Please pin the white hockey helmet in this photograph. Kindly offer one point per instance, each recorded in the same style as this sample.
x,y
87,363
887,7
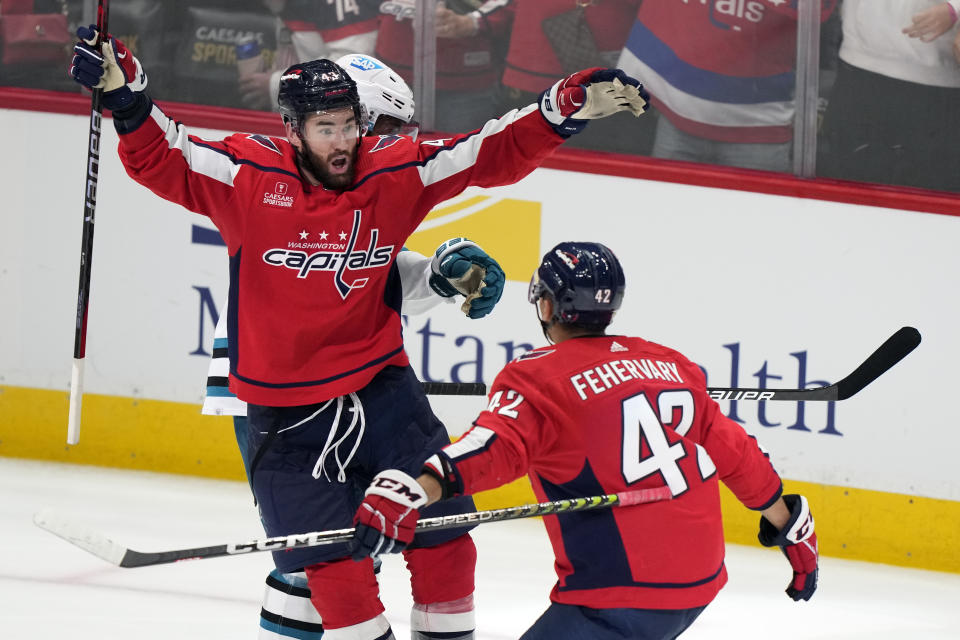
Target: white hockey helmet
x,y
382,91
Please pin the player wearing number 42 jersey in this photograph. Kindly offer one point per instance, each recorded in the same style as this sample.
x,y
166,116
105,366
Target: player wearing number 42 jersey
x,y
596,414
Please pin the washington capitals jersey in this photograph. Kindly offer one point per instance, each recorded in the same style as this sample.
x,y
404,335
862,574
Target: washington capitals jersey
x,y
603,414
717,69
418,297
314,295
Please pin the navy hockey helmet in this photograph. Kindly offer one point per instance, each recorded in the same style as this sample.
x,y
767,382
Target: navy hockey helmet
x,y
318,85
584,280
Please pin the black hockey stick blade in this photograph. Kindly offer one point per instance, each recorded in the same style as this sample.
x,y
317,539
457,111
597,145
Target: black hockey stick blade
x,y
120,556
888,354
454,388
892,351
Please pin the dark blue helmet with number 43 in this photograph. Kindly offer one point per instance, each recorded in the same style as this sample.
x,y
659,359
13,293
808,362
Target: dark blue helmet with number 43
x,y
315,86
583,279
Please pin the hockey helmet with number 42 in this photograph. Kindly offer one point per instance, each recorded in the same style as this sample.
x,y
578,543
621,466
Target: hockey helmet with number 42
x,y
584,280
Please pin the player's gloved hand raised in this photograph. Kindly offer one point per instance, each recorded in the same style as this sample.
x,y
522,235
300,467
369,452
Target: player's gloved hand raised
x,y
799,543
461,266
590,94
113,68
387,517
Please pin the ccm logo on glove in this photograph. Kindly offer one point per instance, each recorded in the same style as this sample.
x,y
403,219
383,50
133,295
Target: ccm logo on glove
x,y
401,489
387,518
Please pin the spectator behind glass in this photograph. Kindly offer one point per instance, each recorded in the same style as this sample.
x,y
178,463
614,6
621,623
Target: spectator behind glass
x,y
468,60
721,75
893,116
309,30
35,39
553,37
956,38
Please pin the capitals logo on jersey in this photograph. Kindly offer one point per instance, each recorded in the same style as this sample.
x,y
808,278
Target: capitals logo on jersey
x,y
402,10
385,142
337,259
265,142
533,355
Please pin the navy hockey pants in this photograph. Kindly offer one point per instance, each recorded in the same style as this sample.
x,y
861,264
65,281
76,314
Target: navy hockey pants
x,y
386,425
572,622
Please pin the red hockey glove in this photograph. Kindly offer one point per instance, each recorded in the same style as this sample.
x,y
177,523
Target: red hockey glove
x,y
387,517
113,68
799,543
590,94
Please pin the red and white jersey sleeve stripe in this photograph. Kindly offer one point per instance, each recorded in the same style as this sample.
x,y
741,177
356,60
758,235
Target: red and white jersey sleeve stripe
x,y
182,168
501,152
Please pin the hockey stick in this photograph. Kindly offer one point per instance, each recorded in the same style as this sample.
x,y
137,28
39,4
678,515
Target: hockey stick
x,y
888,354
892,351
454,388
86,244
118,555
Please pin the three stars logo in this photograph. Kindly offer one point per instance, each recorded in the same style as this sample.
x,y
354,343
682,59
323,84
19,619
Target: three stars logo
x,y
304,234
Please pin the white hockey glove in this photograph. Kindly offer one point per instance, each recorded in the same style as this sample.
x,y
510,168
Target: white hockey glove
x,y
590,94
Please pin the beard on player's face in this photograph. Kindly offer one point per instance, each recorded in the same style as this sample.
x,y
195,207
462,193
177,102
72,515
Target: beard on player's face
x,y
335,171
327,145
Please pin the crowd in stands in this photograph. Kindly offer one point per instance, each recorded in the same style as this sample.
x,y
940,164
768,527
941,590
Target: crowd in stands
x,y
721,74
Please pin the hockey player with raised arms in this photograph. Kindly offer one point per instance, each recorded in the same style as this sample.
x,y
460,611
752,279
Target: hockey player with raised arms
x,y
426,282
597,414
313,223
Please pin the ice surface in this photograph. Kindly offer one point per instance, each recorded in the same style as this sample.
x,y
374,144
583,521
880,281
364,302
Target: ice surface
x,y
50,589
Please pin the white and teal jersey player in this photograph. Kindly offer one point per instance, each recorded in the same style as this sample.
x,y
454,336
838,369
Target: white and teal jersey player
x,y
426,281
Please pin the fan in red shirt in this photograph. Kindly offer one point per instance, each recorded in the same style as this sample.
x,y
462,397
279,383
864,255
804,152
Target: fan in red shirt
x,y
597,414
551,36
467,56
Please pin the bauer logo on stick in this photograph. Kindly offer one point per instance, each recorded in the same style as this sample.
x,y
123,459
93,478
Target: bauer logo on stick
x,y
740,395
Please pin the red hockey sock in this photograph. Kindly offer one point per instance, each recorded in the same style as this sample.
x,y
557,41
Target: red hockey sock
x,y
344,592
443,573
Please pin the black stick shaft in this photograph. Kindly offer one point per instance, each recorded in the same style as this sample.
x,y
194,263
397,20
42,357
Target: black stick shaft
x,y
454,388
121,556
90,181
625,498
892,351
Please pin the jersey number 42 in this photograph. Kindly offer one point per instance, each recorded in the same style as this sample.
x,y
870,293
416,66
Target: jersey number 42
x,y
642,423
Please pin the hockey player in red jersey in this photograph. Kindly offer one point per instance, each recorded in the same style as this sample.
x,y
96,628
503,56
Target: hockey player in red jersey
x,y
596,414
425,282
313,223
